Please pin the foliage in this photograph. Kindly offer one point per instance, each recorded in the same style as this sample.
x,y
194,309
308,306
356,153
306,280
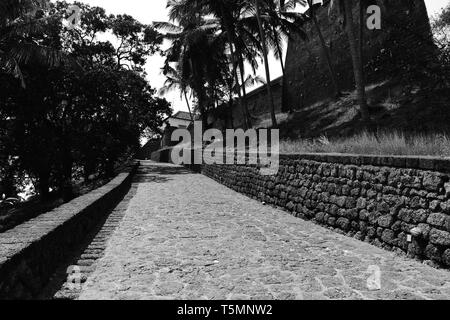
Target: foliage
x,y
214,41
441,31
384,143
86,111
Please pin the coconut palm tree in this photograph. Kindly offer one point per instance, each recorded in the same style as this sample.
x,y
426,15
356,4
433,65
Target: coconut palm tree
x,y
273,22
346,8
323,45
19,20
174,81
198,48
244,34
227,13
283,23
266,64
12,9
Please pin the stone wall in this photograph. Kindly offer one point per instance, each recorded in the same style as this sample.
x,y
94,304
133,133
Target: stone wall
x,y
380,200
31,252
259,102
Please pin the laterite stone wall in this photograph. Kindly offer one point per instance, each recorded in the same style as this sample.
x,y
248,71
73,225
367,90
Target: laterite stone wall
x,y
380,200
31,252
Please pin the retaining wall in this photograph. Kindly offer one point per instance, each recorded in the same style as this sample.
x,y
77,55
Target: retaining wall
x,y
397,203
31,252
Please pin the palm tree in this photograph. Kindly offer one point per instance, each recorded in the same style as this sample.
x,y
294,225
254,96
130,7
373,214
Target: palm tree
x,y
284,23
279,23
174,81
18,21
346,7
324,47
243,34
198,49
12,9
358,68
266,64
228,14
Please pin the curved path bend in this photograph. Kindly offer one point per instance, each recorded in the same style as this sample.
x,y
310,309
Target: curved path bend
x,y
185,236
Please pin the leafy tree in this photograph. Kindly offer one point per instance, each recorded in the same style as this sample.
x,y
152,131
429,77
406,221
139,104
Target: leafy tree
x,y
84,115
136,40
441,31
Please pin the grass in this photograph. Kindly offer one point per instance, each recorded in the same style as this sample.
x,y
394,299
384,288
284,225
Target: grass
x,y
386,143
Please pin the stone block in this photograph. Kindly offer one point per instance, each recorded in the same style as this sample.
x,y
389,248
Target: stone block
x,y
446,257
439,220
440,237
385,221
433,181
388,236
343,224
433,253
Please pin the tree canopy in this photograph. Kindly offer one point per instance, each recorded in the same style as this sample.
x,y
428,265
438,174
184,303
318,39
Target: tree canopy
x,y
76,103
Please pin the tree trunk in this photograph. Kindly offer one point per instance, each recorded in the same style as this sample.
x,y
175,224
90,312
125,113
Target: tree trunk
x,y
88,169
230,37
230,107
201,106
7,185
189,106
200,92
244,92
204,114
325,50
361,30
66,178
236,77
44,184
357,63
280,52
266,63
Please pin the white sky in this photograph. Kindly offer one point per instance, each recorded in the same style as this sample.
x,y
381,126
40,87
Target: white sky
x,y
147,11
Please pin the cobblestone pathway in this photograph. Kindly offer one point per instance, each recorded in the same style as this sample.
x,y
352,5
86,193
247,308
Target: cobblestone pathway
x,y
185,236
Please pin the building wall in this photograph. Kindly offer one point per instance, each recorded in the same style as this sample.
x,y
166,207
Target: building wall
x,y
403,43
259,102
178,123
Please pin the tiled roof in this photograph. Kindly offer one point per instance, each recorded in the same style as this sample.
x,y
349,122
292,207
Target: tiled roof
x,y
182,115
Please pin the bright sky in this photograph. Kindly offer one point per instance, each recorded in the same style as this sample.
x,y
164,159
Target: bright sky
x,y
147,11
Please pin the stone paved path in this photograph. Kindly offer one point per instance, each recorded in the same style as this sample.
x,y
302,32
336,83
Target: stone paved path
x,y
185,236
